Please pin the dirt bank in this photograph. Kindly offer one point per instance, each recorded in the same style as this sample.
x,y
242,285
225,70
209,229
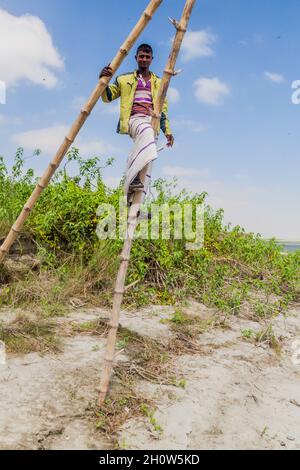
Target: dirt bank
x,y
236,395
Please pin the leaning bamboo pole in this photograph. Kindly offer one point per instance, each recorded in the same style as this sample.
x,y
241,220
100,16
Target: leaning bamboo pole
x,y
169,72
77,125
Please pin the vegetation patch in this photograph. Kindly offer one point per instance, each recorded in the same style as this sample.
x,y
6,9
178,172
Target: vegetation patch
x,y
25,335
266,336
74,263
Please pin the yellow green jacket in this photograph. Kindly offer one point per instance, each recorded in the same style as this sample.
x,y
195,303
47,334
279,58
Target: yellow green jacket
x,y
124,87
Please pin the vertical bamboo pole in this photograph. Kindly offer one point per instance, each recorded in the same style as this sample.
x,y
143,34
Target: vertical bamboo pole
x,y
77,125
169,72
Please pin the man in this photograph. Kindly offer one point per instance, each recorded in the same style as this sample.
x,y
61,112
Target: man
x,y
138,92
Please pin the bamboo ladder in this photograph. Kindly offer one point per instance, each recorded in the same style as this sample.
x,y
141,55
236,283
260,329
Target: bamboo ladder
x,y
169,72
77,125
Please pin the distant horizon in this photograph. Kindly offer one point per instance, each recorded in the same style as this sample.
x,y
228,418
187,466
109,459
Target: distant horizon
x,y
290,242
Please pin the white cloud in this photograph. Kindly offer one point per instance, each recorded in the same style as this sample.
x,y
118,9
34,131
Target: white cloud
x,y
197,44
249,206
112,181
111,108
240,176
104,108
180,171
78,102
189,124
2,92
211,90
173,95
95,146
27,51
48,140
274,77
257,38
14,120
261,209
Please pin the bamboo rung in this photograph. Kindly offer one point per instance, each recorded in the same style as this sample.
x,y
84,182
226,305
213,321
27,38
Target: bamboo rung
x,y
177,25
41,186
69,140
15,230
173,21
103,82
124,51
147,15
3,250
109,361
27,209
170,72
86,112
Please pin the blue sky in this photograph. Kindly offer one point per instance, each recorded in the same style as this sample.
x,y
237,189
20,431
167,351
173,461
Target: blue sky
x,y
231,112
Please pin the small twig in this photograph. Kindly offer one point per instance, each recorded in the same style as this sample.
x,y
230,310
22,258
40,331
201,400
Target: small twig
x,y
132,284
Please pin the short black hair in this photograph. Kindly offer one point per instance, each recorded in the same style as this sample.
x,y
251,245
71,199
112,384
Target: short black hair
x,y
145,48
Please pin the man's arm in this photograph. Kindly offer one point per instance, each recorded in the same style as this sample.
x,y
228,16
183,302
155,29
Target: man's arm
x,y
112,92
165,125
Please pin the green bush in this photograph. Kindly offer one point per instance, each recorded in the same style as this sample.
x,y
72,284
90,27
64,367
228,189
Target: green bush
x,y
63,225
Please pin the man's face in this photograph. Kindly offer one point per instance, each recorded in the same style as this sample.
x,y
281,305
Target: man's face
x,y
144,60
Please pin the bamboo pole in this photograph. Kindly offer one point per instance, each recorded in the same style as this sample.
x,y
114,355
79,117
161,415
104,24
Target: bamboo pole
x,y
77,125
169,72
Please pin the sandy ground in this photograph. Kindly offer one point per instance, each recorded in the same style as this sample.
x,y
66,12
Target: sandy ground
x,y
237,395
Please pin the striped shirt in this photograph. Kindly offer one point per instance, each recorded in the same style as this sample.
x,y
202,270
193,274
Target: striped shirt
x,y
142,103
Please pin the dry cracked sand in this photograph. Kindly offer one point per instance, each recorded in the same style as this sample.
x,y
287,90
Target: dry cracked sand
x,y
237,395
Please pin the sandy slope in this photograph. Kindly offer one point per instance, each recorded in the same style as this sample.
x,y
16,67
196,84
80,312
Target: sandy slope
x,y
237,395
